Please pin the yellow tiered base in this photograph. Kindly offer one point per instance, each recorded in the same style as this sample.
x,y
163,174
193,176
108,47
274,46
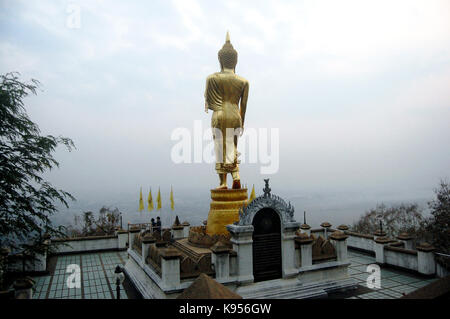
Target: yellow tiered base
x,y
224,209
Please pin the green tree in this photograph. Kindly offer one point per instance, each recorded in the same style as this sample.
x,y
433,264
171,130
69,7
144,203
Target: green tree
x,y
106,223
395,219
27,200
439,223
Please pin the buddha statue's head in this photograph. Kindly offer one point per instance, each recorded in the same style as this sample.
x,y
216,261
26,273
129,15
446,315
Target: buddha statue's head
x,y
228,55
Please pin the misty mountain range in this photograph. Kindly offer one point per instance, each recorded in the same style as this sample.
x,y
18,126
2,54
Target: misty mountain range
x,y
334,207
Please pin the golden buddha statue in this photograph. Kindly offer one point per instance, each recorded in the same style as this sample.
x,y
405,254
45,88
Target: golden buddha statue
x,y
224,91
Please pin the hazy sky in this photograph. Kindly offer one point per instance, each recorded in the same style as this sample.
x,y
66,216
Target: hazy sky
x,y
358,89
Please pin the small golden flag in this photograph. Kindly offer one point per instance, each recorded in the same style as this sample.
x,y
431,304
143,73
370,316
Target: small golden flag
x,y
141,202
252,195
150,201
158,200
172,204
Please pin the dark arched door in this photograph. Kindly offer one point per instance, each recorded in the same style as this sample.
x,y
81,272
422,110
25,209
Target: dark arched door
x,y
266,245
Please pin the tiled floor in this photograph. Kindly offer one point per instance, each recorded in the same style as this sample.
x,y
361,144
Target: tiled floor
x,y
97,277
394,283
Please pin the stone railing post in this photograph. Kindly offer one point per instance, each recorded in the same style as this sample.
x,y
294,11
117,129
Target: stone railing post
x,y
379,244
170,268
425,259
288,249
241,238
343,228
23,288
178,231
325,226
379,233
305,242
339,239
220,258
305,229
147,241
122,237
186,227
406,239
133,232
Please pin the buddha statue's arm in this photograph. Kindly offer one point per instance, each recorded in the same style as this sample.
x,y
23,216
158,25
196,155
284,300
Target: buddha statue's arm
x,y
244,98
213,99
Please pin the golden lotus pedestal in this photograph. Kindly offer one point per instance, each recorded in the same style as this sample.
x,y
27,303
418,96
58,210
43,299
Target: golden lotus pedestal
x,y
224,209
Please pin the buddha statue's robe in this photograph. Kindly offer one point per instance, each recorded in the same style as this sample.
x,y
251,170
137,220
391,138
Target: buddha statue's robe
x,y
224,91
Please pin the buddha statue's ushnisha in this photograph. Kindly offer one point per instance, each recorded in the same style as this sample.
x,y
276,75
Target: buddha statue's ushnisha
x,y
224,91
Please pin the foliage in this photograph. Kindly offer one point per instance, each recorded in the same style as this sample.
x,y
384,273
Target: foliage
x,y
395,219
86,225
27,200
439,223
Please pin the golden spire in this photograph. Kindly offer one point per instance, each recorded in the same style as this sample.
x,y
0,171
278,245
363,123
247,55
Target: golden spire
x,y
227,38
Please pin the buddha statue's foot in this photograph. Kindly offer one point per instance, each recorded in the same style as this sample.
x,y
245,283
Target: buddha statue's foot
x,y
223,181
237,184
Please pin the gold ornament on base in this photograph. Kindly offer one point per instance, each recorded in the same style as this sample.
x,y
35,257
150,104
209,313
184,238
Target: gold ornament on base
x,y
224,209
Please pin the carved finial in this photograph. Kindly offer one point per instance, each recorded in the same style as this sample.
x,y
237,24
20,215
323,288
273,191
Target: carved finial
x,y
304,217
266,188
177,221
227,38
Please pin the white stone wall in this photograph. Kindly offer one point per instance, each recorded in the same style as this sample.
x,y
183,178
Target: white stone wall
x,y
360,243
81,245
170,273
400,259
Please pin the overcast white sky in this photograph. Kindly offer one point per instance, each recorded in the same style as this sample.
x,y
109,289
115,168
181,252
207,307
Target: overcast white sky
x,y
359,89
